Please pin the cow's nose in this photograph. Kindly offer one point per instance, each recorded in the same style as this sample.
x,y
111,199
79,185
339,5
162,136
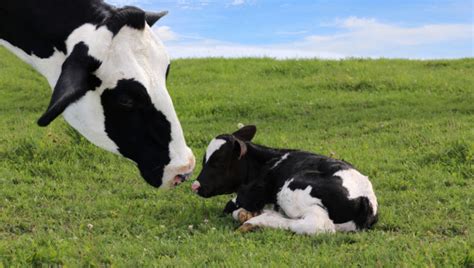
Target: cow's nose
x,y
195,186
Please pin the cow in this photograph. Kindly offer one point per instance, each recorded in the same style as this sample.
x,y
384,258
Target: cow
x,y
309,193
108,73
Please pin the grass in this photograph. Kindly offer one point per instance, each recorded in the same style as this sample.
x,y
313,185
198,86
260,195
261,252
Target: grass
x,y
408,125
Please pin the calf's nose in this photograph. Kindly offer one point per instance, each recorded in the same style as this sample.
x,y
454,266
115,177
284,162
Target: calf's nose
x,y
195,186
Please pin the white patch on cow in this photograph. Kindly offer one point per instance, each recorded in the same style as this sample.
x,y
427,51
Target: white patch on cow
x,y
358,185
213,146
98,40
50,67
349,226
285,156
87,116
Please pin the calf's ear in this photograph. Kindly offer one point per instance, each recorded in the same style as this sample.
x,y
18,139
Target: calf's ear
x,y
246,133
241,148
75,80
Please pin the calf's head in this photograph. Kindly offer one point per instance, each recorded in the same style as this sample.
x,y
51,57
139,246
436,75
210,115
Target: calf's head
x,y
112,89
224,168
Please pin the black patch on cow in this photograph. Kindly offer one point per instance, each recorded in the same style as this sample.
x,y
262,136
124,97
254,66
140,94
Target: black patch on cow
x,y
75,80
141,132
40,26
129,16
168,71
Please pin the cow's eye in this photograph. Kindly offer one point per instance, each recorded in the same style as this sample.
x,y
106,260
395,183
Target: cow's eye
x,y
125,102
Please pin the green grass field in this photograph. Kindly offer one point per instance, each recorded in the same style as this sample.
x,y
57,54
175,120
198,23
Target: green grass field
x,y
408,125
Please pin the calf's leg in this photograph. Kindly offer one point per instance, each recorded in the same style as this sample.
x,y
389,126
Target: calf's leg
x,y
315,221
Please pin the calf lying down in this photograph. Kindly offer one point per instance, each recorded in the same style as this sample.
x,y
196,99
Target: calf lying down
x,y
309,193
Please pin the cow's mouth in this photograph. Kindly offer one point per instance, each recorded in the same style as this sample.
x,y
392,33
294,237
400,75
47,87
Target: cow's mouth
x,y
178,179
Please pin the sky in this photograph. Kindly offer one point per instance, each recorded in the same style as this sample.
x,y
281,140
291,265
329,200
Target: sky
x,y
416,29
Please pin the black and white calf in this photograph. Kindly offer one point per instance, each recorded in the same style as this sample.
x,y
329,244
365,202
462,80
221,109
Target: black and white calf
x,y
108,72
311,193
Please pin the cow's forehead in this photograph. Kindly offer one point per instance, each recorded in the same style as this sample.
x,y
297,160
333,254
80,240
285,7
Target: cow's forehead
x,y
135,54
213,147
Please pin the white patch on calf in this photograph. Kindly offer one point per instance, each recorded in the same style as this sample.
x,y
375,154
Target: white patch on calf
x,y
213,146
357,185
349,226
295,203
315,220
309,213
285,156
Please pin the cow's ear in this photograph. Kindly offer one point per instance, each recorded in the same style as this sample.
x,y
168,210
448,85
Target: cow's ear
x,y
152,17
246,133
75,80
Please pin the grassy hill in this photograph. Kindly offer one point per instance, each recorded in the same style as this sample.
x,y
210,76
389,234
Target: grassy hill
x,y
408,125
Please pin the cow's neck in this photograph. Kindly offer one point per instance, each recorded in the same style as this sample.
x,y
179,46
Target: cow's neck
x,y
37,33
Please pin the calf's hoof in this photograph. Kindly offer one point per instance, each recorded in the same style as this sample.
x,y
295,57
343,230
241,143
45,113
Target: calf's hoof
x,y
247,227
245,215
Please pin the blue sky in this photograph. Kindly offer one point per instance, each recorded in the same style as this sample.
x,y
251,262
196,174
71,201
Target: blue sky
x,y
306,29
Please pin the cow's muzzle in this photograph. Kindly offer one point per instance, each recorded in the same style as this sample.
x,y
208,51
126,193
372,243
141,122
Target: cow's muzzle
x,y
178,179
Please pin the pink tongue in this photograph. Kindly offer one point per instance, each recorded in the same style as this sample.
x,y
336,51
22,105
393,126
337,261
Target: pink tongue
x,y
195,186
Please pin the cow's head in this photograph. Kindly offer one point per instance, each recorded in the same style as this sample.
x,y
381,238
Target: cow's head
x,y
223,168
112,89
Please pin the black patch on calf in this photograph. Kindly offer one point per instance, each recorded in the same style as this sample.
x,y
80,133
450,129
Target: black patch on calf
x,y
141,132
230,207
334,197
252,196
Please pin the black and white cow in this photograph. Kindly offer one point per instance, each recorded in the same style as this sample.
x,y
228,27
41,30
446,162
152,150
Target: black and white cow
x,y
311,193
108,73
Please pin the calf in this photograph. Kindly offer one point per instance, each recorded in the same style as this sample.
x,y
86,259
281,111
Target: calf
x,y
311,193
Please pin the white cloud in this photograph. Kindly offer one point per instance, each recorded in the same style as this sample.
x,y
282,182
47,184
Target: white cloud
x,y
195,47
165,33
356,37
239,51
368,37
